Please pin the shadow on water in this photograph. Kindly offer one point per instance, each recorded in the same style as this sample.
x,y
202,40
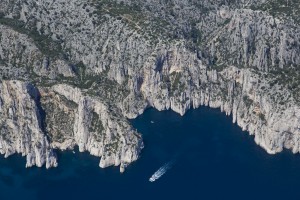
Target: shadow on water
x,y
214,159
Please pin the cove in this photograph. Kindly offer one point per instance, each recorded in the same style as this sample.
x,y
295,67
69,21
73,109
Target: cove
x,y
212,159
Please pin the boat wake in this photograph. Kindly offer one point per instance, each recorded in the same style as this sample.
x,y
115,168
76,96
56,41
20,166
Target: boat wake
x,y
161,171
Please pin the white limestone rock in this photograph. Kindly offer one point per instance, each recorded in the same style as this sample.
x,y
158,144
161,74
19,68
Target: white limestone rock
x,y
20,124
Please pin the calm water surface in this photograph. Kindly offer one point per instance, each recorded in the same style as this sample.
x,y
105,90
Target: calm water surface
x,y
213,159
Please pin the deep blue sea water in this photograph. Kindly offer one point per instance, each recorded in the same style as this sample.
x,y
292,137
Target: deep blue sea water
x,y
213,159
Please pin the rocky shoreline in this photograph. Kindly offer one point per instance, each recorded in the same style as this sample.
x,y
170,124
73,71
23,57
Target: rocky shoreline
x,y
75,78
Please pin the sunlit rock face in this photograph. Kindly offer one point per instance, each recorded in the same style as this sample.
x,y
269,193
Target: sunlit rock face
x,y
21,128
74,72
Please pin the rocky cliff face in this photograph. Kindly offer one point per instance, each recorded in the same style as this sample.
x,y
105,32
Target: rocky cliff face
x,y
74,72
21,125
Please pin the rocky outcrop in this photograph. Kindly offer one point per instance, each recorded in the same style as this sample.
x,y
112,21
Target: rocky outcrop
x,y
266,45
23,59
21,125
99,130
72,119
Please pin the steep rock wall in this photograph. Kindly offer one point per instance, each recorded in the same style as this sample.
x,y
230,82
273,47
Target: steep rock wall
x,y
21,128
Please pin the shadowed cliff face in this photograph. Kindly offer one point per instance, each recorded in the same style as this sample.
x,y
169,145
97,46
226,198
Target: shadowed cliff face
x,y
97,63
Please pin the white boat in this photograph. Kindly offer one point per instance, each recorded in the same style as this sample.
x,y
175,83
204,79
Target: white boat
x,y
161,171
152,122
157,174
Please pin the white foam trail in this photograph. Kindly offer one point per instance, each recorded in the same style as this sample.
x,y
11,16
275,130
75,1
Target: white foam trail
x,y
161,171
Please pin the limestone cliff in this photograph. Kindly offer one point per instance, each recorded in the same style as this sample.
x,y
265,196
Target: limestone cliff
x,y
74,71
21,125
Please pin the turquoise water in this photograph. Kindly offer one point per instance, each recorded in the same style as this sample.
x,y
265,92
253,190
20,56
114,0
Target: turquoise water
x,y
211,159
